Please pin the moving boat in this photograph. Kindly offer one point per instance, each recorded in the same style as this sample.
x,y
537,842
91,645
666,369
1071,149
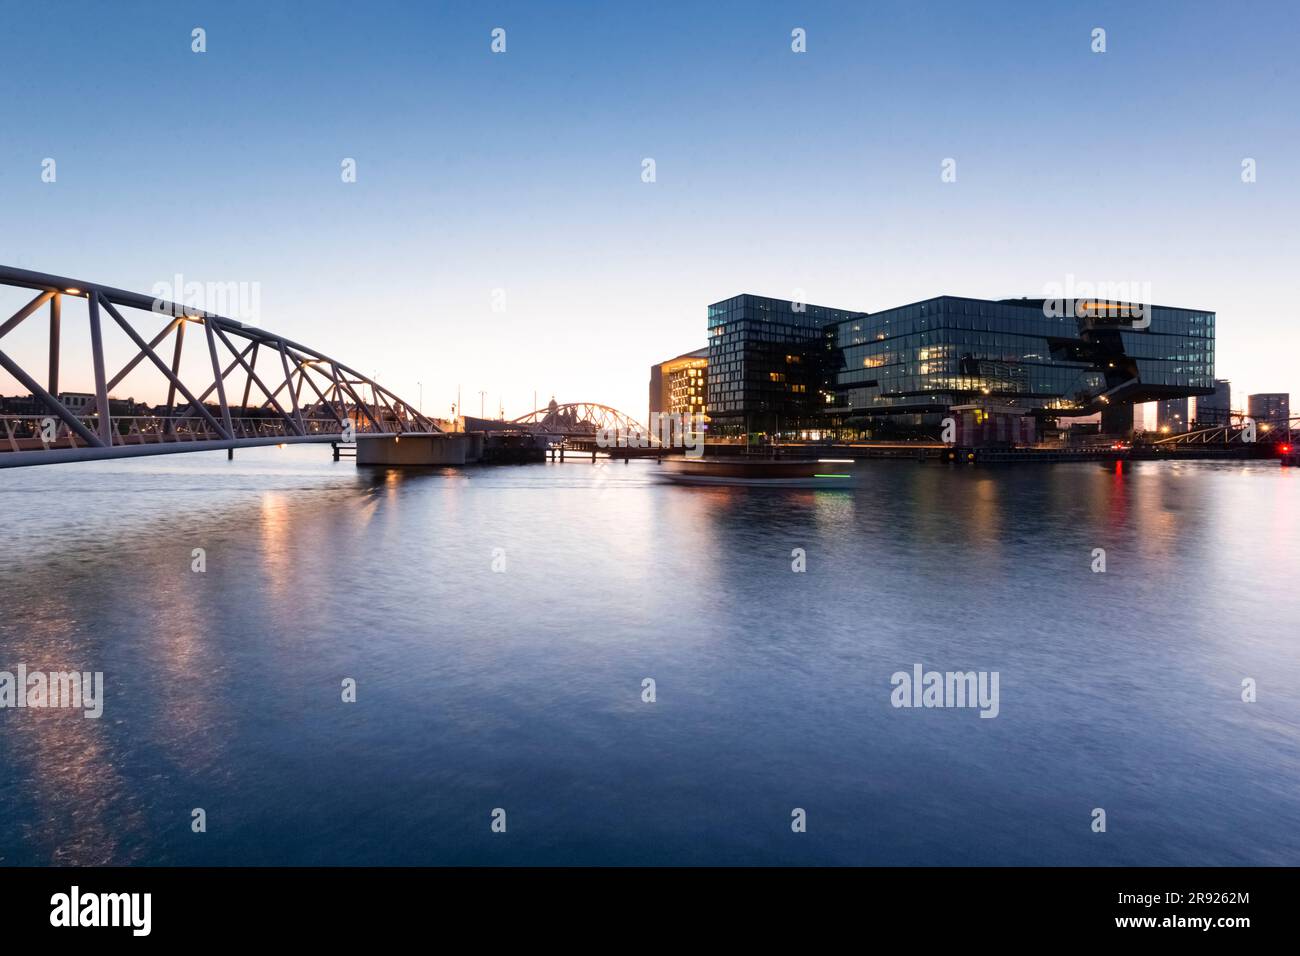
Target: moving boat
x,y
758,472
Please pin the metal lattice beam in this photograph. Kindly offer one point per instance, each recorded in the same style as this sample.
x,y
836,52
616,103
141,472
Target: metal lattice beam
x,y
94,430
581,419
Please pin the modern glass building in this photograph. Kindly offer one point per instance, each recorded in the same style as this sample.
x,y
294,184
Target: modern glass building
x,y
907,366
770,363
776,367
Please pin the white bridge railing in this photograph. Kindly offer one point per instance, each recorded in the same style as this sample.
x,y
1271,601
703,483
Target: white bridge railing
x,y
38,432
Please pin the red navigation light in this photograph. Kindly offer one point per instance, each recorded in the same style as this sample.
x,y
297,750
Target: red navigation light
x,y
1286,449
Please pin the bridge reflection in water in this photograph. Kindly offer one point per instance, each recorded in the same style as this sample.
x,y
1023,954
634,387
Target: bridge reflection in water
x,y
302,395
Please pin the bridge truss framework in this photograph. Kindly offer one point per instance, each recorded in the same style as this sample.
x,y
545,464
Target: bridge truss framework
x,y
305,396
581,420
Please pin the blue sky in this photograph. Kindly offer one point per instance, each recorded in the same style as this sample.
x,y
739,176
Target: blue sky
x,y
776,171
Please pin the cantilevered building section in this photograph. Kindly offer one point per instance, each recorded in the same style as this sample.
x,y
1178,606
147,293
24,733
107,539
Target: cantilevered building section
x,y
903,369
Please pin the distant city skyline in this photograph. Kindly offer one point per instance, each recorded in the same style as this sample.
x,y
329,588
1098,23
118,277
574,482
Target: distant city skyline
x,y
499,235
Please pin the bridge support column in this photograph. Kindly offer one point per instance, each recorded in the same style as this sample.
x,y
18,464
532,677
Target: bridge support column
x,y
414,450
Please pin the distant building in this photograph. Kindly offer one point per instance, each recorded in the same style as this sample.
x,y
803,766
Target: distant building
x,y
1269,406
77,403
680,385
1216,409
1172,415
22,405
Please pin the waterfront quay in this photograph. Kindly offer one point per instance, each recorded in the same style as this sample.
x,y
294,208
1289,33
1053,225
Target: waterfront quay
x,y
501,448
926,451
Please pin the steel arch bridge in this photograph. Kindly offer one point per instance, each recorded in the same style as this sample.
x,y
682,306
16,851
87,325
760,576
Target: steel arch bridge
x,y
305,396
583,420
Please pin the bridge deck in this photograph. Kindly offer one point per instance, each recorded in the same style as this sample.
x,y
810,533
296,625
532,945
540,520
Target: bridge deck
x,y
22,442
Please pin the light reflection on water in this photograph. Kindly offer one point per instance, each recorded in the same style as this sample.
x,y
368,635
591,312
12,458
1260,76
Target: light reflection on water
x,y
522,689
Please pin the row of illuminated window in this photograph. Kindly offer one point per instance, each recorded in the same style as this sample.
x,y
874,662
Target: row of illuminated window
x,y
881,326
1019,347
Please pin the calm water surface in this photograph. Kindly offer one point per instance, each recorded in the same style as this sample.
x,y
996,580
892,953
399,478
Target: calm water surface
x,y
522,689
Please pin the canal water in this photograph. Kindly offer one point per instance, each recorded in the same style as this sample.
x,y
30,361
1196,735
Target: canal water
x,y
500,625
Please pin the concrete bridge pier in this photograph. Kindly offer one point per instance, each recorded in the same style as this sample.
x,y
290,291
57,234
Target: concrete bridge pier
x,y
416,450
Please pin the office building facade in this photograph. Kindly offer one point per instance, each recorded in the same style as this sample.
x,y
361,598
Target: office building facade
x,y
1274,407
911,364
770,364
901,370
679,386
